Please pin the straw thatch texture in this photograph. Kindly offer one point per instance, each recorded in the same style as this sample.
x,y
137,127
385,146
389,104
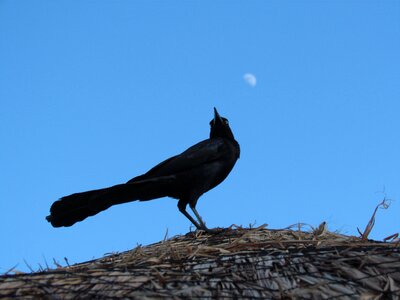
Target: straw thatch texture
x,y
236,263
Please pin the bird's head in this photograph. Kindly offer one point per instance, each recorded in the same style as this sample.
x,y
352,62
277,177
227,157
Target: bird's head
x,y
220,127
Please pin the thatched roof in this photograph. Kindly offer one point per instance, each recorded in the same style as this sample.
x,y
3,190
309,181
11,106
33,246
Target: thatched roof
x,y
235,263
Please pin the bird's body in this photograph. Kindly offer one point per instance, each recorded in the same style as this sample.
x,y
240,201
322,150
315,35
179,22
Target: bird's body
x,y
212,159
185,177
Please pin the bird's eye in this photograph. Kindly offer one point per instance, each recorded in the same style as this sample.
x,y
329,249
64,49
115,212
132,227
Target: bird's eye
x,y
226,122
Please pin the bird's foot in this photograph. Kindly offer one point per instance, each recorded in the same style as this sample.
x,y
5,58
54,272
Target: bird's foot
x,y
212,230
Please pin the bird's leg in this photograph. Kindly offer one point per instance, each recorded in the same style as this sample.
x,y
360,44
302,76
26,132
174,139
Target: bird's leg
x,y
202,224
182,208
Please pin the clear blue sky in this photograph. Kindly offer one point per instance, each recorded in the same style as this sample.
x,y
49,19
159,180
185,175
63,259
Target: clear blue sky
x,y
93,93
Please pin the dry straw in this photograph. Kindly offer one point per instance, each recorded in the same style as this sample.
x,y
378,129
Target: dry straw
x,y
252,263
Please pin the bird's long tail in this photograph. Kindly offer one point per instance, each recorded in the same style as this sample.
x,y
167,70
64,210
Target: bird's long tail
x,y
76,207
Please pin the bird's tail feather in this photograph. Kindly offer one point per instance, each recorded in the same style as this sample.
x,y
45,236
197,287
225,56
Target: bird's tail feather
x,y
76,207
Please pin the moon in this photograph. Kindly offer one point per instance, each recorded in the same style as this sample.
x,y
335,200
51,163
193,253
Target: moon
x,y
250,79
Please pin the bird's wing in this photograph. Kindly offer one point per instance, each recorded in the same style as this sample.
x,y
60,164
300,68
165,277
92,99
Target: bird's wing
x,y
202,153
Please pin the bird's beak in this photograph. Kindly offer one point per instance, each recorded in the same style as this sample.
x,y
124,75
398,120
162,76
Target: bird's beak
x,y
217,117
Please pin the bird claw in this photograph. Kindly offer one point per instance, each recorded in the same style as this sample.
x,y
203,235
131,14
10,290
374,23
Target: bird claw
x,y
213,230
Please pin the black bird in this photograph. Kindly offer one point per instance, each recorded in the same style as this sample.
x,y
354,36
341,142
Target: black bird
x,y
184,177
